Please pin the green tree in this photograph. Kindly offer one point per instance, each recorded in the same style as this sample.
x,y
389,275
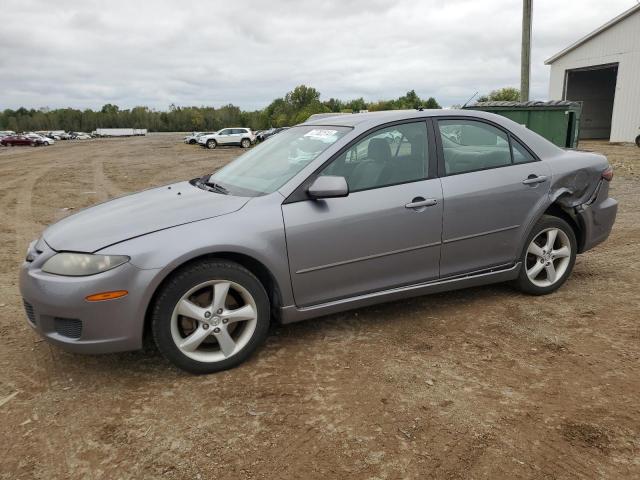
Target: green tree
x,y
505,94
295,107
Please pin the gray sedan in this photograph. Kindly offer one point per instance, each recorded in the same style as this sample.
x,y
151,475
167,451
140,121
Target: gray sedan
x,y
333,214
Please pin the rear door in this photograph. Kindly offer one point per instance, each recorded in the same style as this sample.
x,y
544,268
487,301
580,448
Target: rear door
x,y
384,234
492,186
236,135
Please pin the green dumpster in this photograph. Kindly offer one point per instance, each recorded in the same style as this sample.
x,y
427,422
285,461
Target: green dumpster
x,y
557,121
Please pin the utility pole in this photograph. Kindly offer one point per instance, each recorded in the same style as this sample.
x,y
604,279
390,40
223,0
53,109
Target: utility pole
x,y
525,56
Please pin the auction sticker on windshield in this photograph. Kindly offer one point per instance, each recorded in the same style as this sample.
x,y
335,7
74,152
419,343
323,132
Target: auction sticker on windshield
x,y
320,133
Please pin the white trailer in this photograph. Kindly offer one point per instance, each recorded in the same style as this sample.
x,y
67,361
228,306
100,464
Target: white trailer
x,y
120,132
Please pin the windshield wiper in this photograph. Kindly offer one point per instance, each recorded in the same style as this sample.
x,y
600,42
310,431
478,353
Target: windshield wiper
x,y
214,186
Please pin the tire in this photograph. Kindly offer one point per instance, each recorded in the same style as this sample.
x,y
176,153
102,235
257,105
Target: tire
x,y
211,144
556,263
219,341
245,143
638,140
192,142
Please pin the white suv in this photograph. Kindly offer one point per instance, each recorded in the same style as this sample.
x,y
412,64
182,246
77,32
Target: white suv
x,y
228,136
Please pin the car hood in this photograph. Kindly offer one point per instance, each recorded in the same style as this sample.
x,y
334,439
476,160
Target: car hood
x,y
138,214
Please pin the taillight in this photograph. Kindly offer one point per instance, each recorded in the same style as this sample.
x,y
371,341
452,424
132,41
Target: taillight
x,y
608,174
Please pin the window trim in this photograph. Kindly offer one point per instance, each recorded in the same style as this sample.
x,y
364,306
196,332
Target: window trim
x,y
438,139
300,193
527,149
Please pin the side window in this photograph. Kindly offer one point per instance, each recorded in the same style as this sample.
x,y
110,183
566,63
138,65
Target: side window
x,y
389,156
469,145
224,132
520,154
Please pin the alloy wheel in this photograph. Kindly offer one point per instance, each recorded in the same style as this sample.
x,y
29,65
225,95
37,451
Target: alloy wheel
x,y
214,320
548,257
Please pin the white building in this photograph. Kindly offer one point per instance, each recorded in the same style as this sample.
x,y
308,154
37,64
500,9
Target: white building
x,y
603,70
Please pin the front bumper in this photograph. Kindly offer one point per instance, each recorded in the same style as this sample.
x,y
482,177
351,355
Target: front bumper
x,y
56,307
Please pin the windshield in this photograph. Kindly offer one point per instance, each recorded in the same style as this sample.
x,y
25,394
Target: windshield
x,y
267,167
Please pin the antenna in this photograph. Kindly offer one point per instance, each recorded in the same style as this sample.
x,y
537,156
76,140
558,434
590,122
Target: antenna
x,y
470,98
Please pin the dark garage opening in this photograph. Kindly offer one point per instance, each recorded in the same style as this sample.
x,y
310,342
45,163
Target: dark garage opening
x,y
596,88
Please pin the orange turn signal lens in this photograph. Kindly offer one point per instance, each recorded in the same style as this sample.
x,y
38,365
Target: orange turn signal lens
x,y
98,297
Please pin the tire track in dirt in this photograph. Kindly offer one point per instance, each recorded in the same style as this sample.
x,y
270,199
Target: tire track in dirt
x,y
26,228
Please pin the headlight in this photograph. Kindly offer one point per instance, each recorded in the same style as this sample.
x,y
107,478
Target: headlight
x,y
81,264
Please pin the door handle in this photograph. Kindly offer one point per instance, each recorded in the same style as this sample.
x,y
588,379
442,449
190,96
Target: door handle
x,y
420,202
533,179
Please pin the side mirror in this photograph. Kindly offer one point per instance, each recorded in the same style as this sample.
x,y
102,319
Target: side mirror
x,y
328,187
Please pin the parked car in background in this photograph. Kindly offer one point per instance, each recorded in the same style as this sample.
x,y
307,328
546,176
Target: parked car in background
x,y
243,137
193,138
6,133
325,217
79,136
45,140
56,134
21,141
264,134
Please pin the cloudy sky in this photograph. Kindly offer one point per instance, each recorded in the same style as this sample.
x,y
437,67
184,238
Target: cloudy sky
x,y
86,53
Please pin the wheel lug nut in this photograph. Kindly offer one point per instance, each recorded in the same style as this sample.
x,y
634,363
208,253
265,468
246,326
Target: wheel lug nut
x,y
219,311
216,330
207,314
225,320
205,326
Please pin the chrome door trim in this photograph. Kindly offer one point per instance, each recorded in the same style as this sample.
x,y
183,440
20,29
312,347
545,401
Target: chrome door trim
x,y
368,257
481,234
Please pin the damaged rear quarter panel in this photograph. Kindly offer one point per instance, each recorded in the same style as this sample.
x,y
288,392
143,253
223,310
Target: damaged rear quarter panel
x,y
575,176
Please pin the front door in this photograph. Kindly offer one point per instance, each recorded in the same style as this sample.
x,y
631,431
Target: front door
x,y
386,233
224,136
492,186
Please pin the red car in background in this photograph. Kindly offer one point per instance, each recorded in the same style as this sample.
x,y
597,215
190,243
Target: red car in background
x,y
21,140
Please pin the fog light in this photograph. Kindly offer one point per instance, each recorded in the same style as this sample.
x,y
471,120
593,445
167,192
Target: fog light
x,y
98,297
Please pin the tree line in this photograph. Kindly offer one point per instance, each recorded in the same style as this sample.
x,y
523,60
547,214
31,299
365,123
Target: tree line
x,y
295,107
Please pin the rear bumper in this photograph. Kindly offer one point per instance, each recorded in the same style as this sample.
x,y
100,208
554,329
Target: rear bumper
x,y
597,218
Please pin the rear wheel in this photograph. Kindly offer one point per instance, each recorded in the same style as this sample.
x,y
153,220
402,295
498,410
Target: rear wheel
x,y
211,144
192,141
210,316
638,140
245,143
548,258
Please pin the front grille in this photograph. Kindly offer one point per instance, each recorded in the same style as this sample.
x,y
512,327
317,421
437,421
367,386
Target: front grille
x,y
31,314
68,327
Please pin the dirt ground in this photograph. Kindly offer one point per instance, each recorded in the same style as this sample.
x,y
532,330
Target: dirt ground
x,y
481,383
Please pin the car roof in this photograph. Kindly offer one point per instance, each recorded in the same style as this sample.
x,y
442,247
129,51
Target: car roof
x,y
356,119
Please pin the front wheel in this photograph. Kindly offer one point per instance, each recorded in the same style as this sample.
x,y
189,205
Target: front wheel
x,y
210,316
638,140
211,144
245,143
548,258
